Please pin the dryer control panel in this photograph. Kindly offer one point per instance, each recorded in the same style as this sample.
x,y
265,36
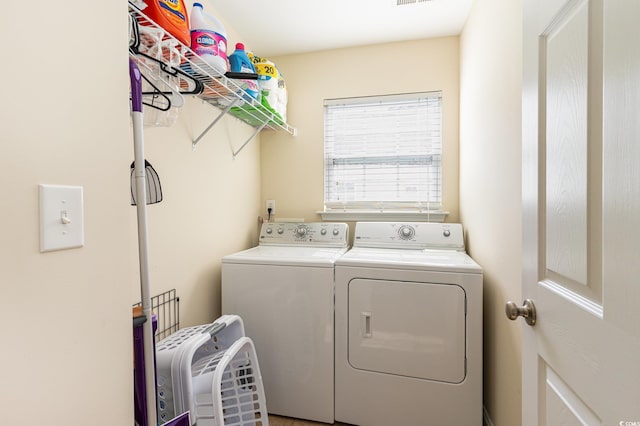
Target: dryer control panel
x,y
409,235
316,234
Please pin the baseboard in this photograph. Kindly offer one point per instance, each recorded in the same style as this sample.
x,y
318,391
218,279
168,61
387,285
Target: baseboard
x,y
486,420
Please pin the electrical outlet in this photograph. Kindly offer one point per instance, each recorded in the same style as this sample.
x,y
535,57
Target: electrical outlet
x,y
271,204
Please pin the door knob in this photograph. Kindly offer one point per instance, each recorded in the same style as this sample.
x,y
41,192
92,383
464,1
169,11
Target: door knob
x,y
527,311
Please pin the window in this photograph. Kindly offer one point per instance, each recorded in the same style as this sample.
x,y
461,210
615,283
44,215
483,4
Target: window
x,y
383,153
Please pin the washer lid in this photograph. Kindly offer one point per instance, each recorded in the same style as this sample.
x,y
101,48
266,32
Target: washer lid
x,y
424,260
286,255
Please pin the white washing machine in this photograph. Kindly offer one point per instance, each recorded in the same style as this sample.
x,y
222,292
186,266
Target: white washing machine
x,y
408,347
283,289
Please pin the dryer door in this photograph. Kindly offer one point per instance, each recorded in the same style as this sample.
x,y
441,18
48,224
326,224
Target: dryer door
x,y
408,328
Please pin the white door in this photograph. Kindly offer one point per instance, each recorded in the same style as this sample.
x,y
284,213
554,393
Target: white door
x,y
581,212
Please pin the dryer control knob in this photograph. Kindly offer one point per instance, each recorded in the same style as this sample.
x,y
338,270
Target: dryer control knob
x,y
280,231
269,231
406,232
336,232
446,233
300,231
323,231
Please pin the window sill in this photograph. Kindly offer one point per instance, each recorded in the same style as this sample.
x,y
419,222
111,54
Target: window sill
x,y
390,216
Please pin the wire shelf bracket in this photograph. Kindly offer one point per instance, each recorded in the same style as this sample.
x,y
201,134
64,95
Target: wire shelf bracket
x,y
213,123
258,130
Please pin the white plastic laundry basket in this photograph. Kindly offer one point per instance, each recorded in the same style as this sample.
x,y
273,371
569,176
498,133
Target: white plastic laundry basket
x,y
212,371
227,388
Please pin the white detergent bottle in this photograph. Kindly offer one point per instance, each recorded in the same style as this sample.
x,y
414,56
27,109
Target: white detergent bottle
x,y
208,38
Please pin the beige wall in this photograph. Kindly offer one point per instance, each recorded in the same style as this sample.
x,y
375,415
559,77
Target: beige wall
x,y
210,206
66,356
66,350
490,193
292,167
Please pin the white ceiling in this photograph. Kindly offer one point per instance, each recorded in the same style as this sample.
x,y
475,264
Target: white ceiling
x,y
282,27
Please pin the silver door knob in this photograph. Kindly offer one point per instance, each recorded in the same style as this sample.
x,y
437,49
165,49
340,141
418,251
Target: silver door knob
x,y
527,311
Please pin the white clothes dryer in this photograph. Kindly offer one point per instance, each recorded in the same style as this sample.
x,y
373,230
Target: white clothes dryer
x,y
408,347
283,289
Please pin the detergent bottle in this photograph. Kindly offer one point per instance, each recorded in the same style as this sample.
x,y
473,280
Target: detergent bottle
x,y
240,63
172,16
272,86
208,38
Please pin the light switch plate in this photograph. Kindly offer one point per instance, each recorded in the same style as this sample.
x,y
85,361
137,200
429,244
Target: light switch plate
x,y
61,217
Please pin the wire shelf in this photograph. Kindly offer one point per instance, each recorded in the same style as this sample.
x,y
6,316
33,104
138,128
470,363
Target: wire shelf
x,y
166,307
216,89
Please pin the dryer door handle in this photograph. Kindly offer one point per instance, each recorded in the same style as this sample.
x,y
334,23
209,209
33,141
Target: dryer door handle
x,y
365,324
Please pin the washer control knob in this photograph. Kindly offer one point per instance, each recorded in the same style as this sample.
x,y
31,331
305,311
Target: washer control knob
x,y
269,231
300,231
280,231
336,232
323,231
446,233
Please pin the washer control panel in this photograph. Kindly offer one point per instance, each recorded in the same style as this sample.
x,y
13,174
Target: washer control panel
x,y
409,235
311,234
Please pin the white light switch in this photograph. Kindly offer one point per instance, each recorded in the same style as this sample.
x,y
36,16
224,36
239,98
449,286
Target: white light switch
x,y
61,217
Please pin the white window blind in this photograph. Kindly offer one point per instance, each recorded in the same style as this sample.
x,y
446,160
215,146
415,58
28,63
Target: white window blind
x,y
383,152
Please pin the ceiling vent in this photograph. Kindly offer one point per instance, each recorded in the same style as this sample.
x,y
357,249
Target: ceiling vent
x,y
405,2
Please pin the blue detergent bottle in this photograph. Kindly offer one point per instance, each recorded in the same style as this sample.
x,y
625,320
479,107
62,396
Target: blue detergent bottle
x,y
239,62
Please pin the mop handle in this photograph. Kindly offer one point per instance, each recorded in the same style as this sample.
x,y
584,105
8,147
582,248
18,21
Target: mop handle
x,y
147,329
136,86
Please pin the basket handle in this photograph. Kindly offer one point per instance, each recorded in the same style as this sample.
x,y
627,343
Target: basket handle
x,y
215,328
